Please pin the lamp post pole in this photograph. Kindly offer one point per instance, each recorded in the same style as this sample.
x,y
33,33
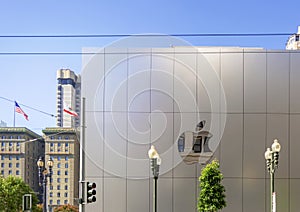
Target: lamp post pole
x,y
272,156
43,175
155,163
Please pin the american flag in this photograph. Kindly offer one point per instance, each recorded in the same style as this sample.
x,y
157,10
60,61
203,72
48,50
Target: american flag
x,y
19,110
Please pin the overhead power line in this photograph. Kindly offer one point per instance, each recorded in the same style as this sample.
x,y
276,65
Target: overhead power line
x,y
32,108
151,35
262,51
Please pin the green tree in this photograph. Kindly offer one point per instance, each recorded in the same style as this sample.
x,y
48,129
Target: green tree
x,y
212,193
12,190
66,208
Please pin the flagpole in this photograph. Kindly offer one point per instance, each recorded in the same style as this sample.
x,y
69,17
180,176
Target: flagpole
x,y
14,113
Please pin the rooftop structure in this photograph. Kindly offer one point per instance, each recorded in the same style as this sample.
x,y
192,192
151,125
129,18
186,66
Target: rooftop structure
x,y
293,42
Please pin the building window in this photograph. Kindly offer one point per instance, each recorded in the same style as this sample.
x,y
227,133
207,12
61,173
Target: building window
x,y
58,187
67,144
59,137
66,187
59,144
66,165
51,202
10,144
51,194
17,165
58,202
10,157
3,144
17,172
10,165
51,144
17,157
66,172
51,137
58,165
58,180
58,172
66,158
2,172
66,180
51,187
9,172
58,194
58,158
2,157
66,202
2,165
3,137
19,137
66,194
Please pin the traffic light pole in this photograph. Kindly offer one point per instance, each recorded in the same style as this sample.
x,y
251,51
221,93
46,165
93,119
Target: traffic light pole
x,y
82,158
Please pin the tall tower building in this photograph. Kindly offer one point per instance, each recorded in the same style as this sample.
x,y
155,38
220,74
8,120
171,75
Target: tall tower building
x,y
68,94
293,42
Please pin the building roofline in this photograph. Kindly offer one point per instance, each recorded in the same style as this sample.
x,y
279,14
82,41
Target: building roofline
x,y
59,130
19,130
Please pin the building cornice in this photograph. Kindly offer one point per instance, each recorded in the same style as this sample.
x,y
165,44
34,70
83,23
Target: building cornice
x,y
19,130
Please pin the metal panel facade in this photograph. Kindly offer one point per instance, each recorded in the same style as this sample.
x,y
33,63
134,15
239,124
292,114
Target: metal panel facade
x,y
136,98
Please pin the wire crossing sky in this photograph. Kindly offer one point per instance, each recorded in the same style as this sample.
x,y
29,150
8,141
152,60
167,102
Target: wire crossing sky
x,y
151,35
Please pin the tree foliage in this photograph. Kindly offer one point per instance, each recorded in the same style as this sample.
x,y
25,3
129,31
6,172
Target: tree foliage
x,y
12,190
66,208
212,192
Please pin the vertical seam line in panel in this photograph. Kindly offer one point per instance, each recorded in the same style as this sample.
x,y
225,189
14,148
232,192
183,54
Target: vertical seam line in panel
x,y
126,163
173,93
198,115
243,142
266,127
289,137
103,128
220,100
150,106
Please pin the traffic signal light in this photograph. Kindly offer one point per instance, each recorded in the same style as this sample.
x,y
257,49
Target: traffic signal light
x,y
90,192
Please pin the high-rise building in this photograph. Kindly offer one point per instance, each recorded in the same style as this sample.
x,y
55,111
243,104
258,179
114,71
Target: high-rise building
x,y
68,94
293,42
19,152
62,145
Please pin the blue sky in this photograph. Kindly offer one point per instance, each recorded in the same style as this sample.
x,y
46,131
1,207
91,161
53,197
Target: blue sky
x,y
31,79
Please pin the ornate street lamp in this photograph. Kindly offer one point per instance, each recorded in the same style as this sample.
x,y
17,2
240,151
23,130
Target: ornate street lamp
x,y
272,157
155,161
43,175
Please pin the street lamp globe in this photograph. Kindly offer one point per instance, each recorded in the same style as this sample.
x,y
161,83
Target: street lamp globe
x,y
50,162
268,154
40,162
276,146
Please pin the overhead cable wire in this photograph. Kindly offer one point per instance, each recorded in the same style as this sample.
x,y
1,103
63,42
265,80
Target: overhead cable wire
x,y
262,50
151,35
32,108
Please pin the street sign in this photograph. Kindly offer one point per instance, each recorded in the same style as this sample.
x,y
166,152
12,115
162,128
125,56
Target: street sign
x,y
27,202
